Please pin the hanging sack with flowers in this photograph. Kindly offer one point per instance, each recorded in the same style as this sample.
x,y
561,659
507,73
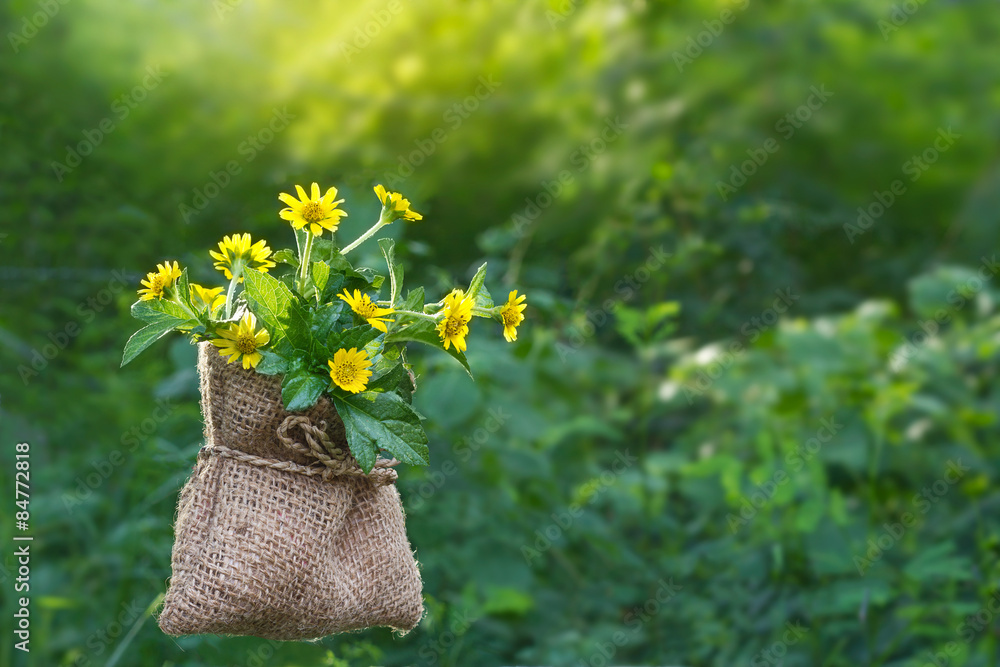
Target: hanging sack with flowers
x,y
290,526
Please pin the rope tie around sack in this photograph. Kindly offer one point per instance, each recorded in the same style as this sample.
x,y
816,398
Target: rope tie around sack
x,y
335,461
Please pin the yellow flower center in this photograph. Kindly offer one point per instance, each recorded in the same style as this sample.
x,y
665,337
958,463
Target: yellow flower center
x,y
345,373
312,211
453,326
157,287
509,316
366,308
246,343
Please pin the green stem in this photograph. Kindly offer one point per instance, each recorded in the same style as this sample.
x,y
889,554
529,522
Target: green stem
x,y
364,237
483,312
304,261
237,271
419,316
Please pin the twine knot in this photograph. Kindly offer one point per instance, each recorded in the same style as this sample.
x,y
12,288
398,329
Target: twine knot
x,y
337,461
334,460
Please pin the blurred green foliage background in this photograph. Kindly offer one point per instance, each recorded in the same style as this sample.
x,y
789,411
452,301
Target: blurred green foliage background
x,y
745,422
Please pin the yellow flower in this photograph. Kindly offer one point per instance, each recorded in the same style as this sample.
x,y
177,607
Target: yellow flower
x,y
455,326
511,314
238,247
240,340
157,281
394,206
318,212
363,306
349,370
202,298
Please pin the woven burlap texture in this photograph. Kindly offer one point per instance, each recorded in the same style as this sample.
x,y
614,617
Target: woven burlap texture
x,y
276,553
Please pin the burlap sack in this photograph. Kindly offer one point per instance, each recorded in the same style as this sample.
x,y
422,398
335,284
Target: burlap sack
x,y
275,537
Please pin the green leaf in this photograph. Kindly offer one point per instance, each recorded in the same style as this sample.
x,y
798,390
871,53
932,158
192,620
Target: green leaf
x,y
145,337
300,391
289,281
477,282
161,317
326,317
423,331
483,298
477,289
300,242
282,347
360,337
391,375
184,289
388,380
382,420
414,300
158,310
360,279
334,284
363,447
286,256
325,250
277,307
339,263
320,276
391,355
272,363
388,247
406,385
369,275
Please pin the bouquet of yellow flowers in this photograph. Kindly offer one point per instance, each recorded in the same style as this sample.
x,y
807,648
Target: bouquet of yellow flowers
x,y
322,327
290,526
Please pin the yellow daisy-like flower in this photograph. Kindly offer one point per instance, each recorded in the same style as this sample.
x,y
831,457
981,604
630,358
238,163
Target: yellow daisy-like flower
x,y
511,314
455,326
318,212
238,247
363,306
157,281
395,206
349,369
202,298
242,341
